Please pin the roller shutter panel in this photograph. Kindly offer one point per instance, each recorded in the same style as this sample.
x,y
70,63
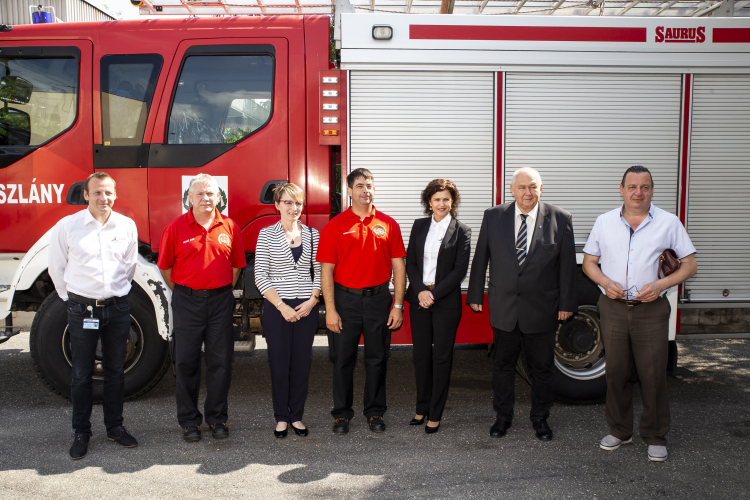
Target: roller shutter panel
x,y
582,131
718,198
408,128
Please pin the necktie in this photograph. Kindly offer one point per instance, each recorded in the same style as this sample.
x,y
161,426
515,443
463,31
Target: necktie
x,y
521,241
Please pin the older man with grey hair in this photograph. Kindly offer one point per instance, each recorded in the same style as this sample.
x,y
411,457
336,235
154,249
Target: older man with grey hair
x,y
530,249
201,256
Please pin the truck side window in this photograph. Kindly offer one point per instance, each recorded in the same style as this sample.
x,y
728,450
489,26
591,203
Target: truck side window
x,y
127,87
221,99
38,99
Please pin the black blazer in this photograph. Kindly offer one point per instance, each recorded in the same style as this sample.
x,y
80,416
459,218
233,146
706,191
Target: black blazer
x,y
533,293
452,263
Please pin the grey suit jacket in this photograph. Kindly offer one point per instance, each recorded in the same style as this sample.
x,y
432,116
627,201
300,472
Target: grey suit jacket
x,y
532,294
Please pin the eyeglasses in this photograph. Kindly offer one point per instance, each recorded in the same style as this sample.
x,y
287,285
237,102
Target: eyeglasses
x,y
627,292
289,203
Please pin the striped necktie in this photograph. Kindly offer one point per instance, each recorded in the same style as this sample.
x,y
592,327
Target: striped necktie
x,y
521,241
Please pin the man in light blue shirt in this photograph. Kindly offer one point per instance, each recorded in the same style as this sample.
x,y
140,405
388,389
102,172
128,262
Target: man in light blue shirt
x,y
627,242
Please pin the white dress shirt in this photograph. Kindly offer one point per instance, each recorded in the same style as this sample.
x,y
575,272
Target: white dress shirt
x,y
530,224
93,260
631,257
432,247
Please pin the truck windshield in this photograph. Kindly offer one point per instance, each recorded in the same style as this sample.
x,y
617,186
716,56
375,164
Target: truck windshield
x,y
38,99
221,99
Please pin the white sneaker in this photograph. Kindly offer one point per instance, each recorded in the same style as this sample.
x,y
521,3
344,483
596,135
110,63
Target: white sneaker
x,y
610,442
657,453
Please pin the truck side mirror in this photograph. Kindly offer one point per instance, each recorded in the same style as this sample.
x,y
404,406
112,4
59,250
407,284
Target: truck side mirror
x,y
15,89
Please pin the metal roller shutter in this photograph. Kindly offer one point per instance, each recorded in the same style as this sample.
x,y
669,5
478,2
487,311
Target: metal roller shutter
x,y
582,131
718,202
408,128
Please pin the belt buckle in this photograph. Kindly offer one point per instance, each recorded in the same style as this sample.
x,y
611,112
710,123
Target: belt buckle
x,y
367,292
100,303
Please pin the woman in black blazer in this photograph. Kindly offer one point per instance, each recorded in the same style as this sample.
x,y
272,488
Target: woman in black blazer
x,y
289,278
436,263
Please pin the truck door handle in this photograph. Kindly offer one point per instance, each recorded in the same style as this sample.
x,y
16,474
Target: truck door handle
x,y
266,193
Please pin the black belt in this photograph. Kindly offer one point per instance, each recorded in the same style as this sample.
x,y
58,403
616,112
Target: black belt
x,y
202,293
93,302
365,292
633,303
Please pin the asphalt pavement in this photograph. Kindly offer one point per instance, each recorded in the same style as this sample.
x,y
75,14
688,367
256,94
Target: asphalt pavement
x,y
708,443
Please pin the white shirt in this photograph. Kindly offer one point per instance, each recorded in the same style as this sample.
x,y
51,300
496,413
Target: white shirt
x,y
632,258
530,223
92,260
432,247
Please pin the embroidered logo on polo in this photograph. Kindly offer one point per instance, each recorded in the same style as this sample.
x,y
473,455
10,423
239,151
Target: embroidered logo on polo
x,y
378,230
223,238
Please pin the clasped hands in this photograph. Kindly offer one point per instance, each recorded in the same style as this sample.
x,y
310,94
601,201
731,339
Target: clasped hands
x,y
295,314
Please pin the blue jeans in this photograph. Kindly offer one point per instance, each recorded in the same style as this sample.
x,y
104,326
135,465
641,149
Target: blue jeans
x,y
114,330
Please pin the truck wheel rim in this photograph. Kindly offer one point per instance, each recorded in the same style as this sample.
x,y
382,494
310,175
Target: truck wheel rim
x,y
133,350
579,350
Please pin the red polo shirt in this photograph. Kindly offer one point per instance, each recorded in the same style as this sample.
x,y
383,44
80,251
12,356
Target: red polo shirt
x,y
361,249
201,259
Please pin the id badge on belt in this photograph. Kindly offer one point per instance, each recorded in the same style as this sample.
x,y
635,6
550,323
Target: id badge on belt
x,y
91,323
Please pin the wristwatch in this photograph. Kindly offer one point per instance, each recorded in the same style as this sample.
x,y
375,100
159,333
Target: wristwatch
x,y
398,306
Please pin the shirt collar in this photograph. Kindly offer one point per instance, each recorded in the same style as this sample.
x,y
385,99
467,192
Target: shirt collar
x,y
532,213
443,223
350,213
651,213
218,219
88,218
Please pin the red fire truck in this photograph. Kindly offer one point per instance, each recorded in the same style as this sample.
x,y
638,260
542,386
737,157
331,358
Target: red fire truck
x,y
260,100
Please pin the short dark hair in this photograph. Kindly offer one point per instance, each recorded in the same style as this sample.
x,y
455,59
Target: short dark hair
x,y
356,174
100,176
637,169
437,185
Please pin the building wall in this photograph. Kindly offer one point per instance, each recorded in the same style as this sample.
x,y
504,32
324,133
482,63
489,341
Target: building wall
x,y
69,11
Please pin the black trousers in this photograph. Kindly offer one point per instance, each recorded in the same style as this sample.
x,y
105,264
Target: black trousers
x,y
289,353
202,321
114,330
433,333
540,353
368,316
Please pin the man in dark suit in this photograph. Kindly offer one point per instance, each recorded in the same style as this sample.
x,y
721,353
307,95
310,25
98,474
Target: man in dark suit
x,y
531,252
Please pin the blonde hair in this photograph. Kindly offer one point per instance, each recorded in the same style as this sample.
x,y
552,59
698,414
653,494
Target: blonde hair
x,y
294,191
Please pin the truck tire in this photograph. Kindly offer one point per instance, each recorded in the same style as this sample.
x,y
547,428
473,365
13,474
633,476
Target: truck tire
x,y
146,364
579,360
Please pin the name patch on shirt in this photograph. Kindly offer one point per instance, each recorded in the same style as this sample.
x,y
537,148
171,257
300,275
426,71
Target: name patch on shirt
x,y
379,231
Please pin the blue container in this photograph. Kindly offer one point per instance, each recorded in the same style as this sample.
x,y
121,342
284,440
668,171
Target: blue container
x,y
42,18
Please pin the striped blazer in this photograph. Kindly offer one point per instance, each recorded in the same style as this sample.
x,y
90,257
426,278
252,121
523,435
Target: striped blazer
x,y
275,266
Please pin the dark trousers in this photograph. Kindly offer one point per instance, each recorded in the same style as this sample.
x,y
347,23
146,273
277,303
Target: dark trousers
x,y
202,321
433,333
637,334
289,353
540,353
114,330
368,316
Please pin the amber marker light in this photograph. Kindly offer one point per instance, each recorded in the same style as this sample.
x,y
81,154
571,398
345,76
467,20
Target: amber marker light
x,y
330,132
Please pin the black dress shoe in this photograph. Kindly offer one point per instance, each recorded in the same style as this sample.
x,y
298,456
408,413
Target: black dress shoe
x,y
191,434
499,427
219,431
542,429
376,424
341,426
300,432
431,430
122,436
281,434
80,446
418,421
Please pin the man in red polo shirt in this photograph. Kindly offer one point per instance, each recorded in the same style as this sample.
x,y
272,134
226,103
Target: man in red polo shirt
x,y
358,251
201,256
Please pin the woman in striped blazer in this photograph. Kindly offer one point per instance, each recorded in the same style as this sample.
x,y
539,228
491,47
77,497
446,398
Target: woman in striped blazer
x,y
289,278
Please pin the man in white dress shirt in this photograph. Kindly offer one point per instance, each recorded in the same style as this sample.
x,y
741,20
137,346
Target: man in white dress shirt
x,y
627,242
92,259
